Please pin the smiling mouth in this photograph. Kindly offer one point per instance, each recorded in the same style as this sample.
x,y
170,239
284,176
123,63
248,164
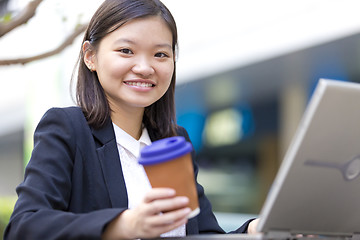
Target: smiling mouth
x,y
140,84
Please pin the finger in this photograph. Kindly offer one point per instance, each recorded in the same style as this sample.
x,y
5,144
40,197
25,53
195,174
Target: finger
x,y
170,218
156,231
172,226
252,228
162,224
166,205
153,226
159,193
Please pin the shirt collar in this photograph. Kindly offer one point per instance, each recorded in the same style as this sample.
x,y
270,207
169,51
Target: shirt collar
x,y
131,144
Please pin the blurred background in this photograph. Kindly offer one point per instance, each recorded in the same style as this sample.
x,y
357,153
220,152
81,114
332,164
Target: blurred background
x,y
245,72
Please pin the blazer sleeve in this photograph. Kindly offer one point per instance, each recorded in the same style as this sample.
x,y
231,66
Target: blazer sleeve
x,y
41,211
206,220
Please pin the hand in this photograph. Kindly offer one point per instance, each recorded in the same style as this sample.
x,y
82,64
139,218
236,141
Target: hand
x,y
252,226
160,211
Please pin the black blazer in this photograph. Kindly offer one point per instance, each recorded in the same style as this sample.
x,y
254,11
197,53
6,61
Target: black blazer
x,y
73,185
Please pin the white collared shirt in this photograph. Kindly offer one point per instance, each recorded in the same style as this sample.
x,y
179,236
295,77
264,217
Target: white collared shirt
x,y
136,180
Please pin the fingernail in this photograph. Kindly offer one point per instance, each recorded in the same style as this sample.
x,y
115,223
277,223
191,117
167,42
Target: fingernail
x,y
171,191
187,210
184,199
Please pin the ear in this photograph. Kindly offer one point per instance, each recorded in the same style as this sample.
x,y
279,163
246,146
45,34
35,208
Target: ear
x,y
89,56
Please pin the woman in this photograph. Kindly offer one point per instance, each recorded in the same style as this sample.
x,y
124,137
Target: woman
x,y
83,180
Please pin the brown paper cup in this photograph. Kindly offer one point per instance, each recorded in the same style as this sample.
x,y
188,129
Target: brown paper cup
x,y
168,163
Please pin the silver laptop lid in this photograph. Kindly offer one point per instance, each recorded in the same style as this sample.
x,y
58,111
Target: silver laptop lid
x,y
317,188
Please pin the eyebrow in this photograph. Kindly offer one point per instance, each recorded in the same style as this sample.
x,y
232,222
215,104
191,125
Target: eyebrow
x,y
120,40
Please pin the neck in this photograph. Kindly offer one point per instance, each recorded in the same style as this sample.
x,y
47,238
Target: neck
x,y
129,120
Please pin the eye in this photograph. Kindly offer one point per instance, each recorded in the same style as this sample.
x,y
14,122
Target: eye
x,y
125,51
161,55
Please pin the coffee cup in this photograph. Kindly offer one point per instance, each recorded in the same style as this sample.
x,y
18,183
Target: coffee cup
x,y
168,163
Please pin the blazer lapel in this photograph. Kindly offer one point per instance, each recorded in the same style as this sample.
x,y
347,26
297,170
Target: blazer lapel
x,y
110,163
108,156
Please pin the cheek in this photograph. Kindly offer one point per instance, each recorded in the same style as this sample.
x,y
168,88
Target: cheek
x,y
115,69
168,74
111,66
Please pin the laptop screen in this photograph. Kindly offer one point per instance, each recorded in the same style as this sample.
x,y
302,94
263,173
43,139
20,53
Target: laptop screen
x,y
317,188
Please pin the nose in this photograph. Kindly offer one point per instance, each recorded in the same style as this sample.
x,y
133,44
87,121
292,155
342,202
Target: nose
x,y
143,67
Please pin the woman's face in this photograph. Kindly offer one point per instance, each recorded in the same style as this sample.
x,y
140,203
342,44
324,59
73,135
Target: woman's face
x,y
135,63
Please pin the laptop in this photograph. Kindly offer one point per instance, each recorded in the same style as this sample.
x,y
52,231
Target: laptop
x,y
317,188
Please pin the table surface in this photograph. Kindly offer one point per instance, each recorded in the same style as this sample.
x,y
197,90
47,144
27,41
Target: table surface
x,y
249,237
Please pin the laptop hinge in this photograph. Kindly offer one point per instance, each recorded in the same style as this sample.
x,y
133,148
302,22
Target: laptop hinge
x,y
355,236
280,235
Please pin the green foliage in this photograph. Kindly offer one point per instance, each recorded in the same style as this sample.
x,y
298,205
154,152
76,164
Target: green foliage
x,y
6,18
6,208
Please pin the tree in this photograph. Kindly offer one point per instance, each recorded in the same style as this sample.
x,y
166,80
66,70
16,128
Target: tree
x,y
9,23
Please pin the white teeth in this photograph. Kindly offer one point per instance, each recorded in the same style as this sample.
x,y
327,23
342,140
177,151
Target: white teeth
x,y
140,84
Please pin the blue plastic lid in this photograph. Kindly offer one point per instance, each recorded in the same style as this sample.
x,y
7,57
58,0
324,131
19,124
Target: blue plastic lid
x,y
164,150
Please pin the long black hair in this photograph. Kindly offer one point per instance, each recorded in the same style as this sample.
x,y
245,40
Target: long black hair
x,y
90,96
